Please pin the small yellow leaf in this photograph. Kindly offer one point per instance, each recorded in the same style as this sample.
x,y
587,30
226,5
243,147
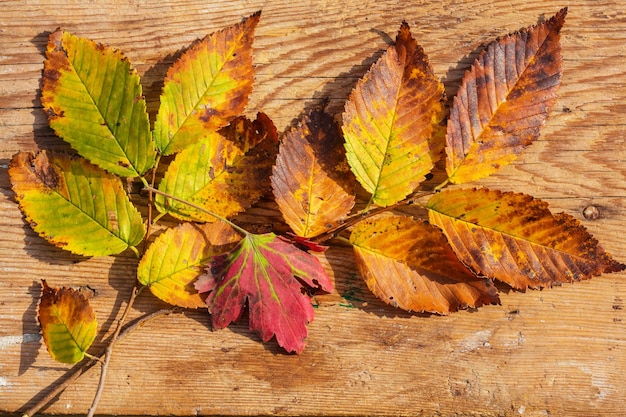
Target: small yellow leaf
x,y
68,323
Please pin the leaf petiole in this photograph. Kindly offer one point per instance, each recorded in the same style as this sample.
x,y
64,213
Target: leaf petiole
x,y
199,208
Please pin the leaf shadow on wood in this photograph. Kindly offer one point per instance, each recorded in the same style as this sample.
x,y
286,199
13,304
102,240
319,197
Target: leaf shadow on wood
x,y
31,338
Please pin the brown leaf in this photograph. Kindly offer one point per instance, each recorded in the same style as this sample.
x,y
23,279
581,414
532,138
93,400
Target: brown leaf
x,y
409,264
514,238
504,100
311,180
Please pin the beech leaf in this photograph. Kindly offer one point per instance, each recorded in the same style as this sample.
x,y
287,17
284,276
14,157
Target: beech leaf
x,y
409,264
225,172
503,101
68,323
74,204
94,101
311,180
176,258
392,122
514,238
206,88
262,270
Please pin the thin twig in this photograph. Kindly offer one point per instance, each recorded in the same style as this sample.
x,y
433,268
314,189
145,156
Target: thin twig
x,y
109,351
199,208
74,374
365,214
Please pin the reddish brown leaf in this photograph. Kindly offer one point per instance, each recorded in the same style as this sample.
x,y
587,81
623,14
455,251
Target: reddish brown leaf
x,y
262,270
409,264
504,100
311,180
514,238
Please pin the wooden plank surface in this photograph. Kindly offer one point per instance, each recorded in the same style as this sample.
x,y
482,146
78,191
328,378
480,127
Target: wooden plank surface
x,y
557,352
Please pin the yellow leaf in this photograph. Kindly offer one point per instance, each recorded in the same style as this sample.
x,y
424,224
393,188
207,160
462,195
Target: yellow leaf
x,y
392,122
206,88
68,323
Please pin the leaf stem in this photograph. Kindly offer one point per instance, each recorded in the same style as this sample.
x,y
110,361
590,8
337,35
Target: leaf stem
x,y
367,213
199,208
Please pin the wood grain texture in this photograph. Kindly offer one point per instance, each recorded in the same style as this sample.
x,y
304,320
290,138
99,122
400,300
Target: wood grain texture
x,y
557,352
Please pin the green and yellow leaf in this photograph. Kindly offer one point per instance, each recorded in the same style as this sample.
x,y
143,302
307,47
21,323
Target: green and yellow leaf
x,y
94,101
311,180
224,173
503,101
206,88
515,239
392,122
75,205
174,260
409,264
68,323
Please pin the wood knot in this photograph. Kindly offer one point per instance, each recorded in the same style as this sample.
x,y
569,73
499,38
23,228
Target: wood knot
x,y
591,213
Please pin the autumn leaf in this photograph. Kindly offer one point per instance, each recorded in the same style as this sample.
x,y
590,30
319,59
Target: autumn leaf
x,y
503,101
94,101
514,238
409,264
75,205
68,323
392,122
176,258
206,88
262,270
224,173
311,180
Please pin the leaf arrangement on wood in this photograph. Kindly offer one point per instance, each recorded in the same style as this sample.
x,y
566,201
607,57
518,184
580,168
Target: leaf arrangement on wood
x,y
395,127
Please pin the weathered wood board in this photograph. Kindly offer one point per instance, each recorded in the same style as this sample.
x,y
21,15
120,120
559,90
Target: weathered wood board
x,y
557,352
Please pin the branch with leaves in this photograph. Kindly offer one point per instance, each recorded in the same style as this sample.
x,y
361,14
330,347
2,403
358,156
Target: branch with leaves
x,y
395,128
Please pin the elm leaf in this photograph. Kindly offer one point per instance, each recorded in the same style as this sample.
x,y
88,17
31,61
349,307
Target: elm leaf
x,y
268,272
95,103
206,88
224,173
311,180
74,204
175,259
503,101
392,122
68,323
409,264
514,238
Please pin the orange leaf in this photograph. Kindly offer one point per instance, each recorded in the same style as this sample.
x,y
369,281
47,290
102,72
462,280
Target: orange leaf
x,y
514,238
409,264
206,88
504,100
392,122
311,181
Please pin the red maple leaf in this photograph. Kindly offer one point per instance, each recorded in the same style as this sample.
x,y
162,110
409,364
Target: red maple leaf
x,y
262,270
